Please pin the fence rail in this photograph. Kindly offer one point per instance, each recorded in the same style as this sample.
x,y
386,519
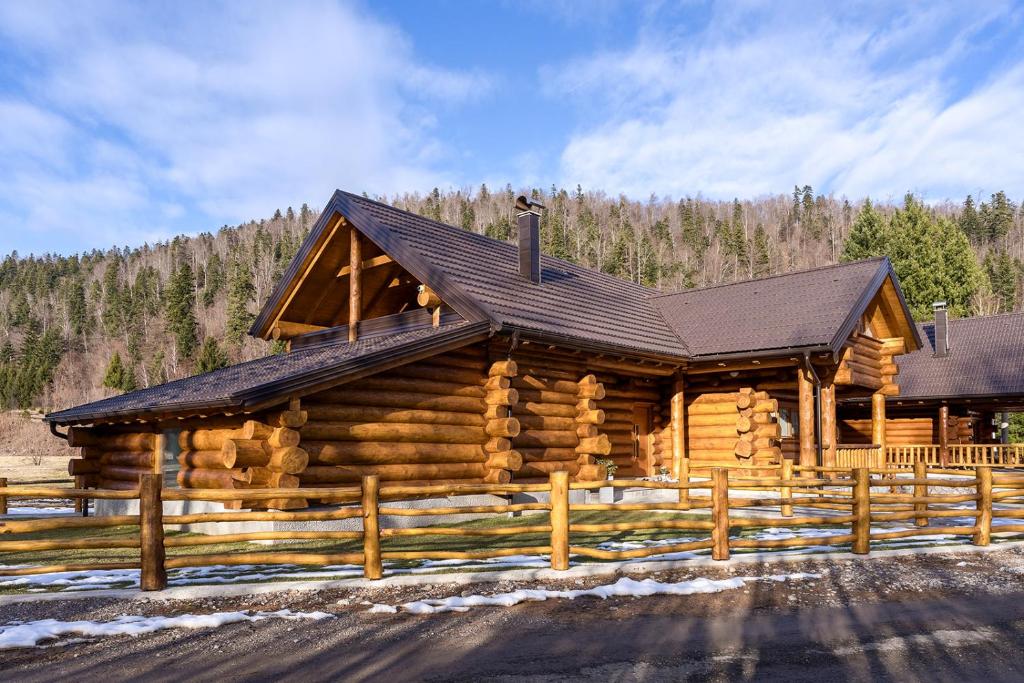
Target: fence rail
x,y
957,455
860,495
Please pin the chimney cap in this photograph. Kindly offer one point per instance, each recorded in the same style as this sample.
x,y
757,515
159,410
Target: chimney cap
x,y
939,306
524,205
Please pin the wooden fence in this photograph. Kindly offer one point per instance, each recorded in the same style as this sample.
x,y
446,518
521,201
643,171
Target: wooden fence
x,y
838,490
958,455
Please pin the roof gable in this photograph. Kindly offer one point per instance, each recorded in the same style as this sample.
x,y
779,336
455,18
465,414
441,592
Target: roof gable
x,y
814,309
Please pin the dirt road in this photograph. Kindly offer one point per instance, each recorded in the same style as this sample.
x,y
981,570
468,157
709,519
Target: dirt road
x,y
938,625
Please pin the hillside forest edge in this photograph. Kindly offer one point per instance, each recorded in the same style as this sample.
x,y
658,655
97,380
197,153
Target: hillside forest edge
x,y
80,327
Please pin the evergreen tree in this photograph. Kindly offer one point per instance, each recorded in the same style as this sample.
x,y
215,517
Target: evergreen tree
x,y
996,217
215,280
210,357
240,293
1002,276
119,376
867,237
181,316
933,260
762,252
969,222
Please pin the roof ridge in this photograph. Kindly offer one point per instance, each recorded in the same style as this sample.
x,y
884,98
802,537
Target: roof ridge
x,y
491,240
770,277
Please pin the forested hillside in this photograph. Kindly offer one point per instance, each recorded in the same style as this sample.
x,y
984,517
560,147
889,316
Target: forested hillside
x,y
76,328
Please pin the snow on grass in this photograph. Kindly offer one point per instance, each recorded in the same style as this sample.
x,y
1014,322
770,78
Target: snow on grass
x,y
624,587
15,511
31,633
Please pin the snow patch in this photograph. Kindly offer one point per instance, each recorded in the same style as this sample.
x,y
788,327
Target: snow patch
x,y
942,639
30,634
624,587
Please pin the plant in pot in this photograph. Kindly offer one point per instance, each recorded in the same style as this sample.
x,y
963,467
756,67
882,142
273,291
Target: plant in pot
x,y
609,465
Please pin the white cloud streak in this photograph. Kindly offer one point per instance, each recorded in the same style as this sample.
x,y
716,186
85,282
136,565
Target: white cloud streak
x,y
767,96
219,113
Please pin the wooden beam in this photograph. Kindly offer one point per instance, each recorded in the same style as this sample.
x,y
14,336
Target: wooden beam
x,y
944,435
830,433
355,284
726,366
307,270
678,427
283,329
381,260
878,419
805,399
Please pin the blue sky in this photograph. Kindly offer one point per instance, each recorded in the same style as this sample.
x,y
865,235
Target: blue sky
x,y
122,123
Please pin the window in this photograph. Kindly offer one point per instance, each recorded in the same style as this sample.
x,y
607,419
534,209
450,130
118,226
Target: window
x,y
789,424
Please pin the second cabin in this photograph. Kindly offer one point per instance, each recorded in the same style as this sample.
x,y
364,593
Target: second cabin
x,y
421,352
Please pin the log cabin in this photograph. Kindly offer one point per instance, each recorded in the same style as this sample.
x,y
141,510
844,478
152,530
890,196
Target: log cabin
x,y
421,352
956,389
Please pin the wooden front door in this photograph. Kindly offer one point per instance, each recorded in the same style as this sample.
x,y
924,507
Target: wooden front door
x,y
642,455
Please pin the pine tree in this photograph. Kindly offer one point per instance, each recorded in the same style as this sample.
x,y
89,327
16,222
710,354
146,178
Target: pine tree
x,y
118,375
181,316
1002,276
215,279
762,252
867,237
969,222
210,357
996,217
240,293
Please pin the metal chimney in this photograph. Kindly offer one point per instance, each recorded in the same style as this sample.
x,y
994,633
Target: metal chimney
x,y
528,218
941,329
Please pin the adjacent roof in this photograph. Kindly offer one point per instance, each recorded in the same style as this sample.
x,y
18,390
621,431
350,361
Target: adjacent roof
x,y
986,359
810,309
262,382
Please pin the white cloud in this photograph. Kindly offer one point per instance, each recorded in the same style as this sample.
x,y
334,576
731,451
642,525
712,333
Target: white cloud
x,y
767,96
229,111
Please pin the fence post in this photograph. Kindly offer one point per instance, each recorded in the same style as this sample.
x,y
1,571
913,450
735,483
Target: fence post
x,y
720,514
684,478
785,491
151,533
3,499
559,520
983,525
372,566
920,491
861,510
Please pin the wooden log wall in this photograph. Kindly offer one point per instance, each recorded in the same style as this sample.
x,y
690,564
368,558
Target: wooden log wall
x,y
868,362
112,458
429,420
906,431
732,428
561,423
260,453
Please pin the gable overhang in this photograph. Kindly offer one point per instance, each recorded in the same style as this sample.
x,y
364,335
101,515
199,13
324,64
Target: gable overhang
x,y
270,394
340,208
909,331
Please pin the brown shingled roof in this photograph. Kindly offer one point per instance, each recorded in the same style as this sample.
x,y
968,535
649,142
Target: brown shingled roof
x,y
258,382
807,309
986,359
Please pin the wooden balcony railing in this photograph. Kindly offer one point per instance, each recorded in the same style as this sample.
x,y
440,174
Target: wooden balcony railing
x,y
960,455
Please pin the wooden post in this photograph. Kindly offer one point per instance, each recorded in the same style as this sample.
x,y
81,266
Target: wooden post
x,y
720,514
3,499
677,407
159,444
983,525
372,567
920,491
684,478
355,283
79,502
861,510
560,520
943,436
878,424
151,533
786,491
805,395
829,434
